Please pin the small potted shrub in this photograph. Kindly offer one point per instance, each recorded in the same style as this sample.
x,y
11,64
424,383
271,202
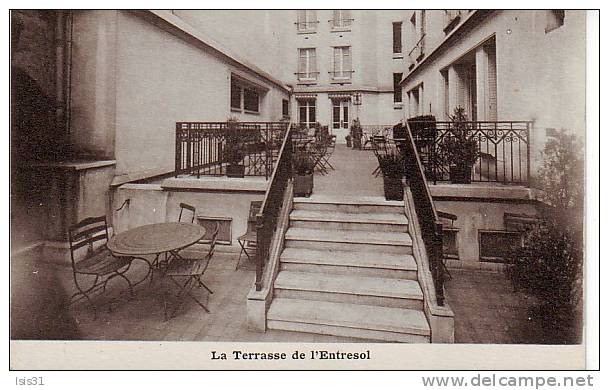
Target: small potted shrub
x,y
348,139
356,133
304,166
459,149
392,167
234,150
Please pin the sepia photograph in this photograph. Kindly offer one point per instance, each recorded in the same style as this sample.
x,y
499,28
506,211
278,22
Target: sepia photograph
x,y
355,179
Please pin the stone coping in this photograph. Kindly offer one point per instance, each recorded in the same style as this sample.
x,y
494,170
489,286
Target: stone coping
x,y
73,165
221,184
480,191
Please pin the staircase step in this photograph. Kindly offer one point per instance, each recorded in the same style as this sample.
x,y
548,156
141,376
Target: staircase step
x,y
314,219
339,262
386,242
349,289
349,205
349,320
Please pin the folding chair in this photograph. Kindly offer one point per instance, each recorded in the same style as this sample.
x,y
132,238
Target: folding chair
x,y
97,262
185,211
249,238
190,272
330,142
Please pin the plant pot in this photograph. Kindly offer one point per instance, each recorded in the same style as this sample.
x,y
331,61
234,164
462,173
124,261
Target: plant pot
x,y
357,143
393,187
235,170
461,174
349,144
303,185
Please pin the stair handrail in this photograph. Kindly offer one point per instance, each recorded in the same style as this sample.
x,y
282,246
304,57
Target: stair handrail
x,y
266,219
429,220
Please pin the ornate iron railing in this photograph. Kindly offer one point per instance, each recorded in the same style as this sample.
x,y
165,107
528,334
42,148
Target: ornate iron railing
x,y
429,221
503,145
266,219
201,147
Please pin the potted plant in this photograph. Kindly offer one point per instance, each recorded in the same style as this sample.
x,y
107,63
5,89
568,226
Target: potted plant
x,y
234,149
459,148
348,139
304,166
392,167
356,133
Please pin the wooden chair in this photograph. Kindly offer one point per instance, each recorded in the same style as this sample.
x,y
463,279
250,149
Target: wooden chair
x,y
98,262
187,274
248,240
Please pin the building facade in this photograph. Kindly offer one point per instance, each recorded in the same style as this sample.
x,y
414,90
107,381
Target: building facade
x,y
499,66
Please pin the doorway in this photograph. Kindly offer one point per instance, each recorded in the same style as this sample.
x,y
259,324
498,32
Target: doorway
x,y
340,118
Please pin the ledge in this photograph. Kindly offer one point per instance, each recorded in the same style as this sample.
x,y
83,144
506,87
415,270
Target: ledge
x,y
488,192
220,184
75,165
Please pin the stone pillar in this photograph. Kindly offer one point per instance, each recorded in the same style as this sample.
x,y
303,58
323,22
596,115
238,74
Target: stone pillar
x,y
454,85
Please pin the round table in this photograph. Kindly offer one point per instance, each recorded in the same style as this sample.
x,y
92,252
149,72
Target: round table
x,y
155,239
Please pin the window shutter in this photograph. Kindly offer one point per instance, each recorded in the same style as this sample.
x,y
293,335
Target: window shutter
x,y
336,18
336,65
347,59
301,18
492,84
346,18
312,17
302,62
312,62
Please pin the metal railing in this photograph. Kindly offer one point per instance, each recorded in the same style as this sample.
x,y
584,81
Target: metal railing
x,y
266,219
414,54
503,146
341,74
201,147
429,221
307,26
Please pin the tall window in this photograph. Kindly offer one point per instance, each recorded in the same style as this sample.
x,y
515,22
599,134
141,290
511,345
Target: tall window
x,y
397,38
342,63
306,112
306,20
341,19
397,89
307,65
285,108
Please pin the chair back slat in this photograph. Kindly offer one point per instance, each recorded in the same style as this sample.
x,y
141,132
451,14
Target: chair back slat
x,y
86,233
255,207
192,209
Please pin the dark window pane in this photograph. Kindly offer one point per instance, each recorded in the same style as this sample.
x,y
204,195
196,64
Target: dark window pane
x,y
397,90
397,37
285,108
494,246
235,95
312,114
250,100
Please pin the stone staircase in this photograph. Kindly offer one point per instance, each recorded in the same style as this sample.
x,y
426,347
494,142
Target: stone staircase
x,y
347,270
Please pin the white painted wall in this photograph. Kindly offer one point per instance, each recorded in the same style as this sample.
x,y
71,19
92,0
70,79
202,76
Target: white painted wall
x,y
540,76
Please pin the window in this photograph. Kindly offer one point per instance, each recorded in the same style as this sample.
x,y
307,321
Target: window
x,y
307,65
446,89
342,63
251,100
450,247
496,245
397,89
244,96
397,38
306,20
306,112
341,19
235,94
554,19
285,108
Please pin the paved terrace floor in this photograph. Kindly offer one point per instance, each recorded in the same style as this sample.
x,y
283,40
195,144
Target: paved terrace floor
x,y
352,175
486,309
